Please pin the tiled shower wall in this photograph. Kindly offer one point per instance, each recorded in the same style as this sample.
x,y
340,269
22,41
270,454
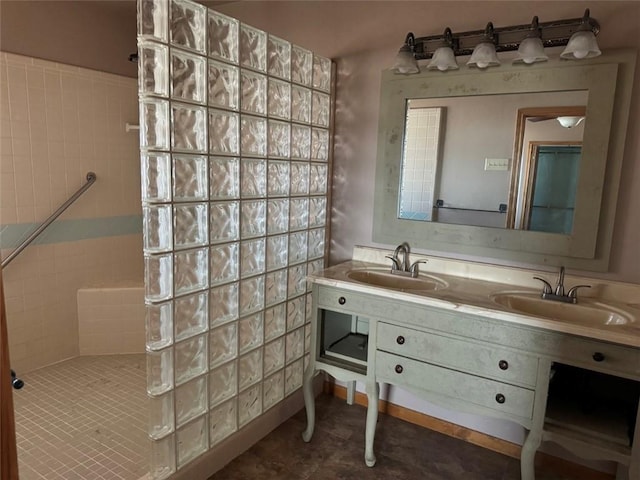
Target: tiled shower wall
x,y
57,123
234,147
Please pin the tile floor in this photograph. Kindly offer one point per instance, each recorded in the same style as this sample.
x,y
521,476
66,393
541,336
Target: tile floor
x,y
84,419
404,452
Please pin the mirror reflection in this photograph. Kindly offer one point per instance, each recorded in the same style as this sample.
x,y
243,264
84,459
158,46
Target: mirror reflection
x,y
504,161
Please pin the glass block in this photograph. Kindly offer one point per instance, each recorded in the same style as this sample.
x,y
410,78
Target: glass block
x,y
190,178
159,325
224,261
223,304
297,247
190,358
192,440
316,243
318,179
190,225
299,178
295,313
224,177
154,124
279,99
223,383
156,177
188,128
253,178
224,132
279,138
315,266
223,421
273,390
223,37
223,85
251,295
253,92
278,216
158,271
250,369
191,315
161,419
297,280
308,308
273,356
321,73
278,57
252,257
254,218
191,270
253,136
278,178
300,142
153,69
320,109
277,252
163,458
300,104
191,400
153,19
188,76
159,371
276,287
293,377
317,211
307,338
249,405
298,213
294,344
275,322
253,48
223,344
156,228
187,25
250,332
301,65
319,144
224,221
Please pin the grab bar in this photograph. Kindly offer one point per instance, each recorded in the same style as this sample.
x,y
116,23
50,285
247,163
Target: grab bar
x,y
91,178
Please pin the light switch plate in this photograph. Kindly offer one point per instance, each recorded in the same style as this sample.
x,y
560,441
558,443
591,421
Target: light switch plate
x,y
496,164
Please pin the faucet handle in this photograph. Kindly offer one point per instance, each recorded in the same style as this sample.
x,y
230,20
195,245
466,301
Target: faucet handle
x,y
546,287
414,267
573,291
396,263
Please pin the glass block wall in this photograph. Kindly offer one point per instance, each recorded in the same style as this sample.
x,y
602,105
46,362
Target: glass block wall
x,y
234,134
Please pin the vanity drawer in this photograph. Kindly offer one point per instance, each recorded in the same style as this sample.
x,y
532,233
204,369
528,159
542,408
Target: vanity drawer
x,y
475,358
500,397
345,301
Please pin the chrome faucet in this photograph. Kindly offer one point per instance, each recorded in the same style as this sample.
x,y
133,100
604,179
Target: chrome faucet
x,y
404,267
558,295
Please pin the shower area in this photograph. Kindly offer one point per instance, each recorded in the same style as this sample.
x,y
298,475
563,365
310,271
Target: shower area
x,y
148,333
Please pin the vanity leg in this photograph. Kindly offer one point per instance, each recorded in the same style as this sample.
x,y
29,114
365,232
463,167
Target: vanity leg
x,y
309,402
528,455
373,394
534,436
351,392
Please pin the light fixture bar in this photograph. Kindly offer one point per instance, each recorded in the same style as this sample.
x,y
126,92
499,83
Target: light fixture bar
x,y
553,34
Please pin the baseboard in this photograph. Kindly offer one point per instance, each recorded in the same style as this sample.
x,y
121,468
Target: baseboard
x,y
545,461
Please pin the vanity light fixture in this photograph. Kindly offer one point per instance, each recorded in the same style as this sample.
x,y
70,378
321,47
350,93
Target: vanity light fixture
x,y
484,55
577,34
444,58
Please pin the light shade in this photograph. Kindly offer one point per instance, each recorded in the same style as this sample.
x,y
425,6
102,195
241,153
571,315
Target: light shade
x,y
570,122
582,44
531,51
405,61
483,56
443,59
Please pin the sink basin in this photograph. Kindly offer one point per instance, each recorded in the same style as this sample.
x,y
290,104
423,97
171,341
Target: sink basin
x,y
380,278
587,311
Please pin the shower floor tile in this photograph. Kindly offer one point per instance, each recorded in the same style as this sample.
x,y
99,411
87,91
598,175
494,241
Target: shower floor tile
x,y
84,418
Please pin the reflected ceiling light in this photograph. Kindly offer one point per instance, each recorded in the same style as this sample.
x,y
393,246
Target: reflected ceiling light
x,y
531,49
484,55
443,58
582,44
405,60
570,122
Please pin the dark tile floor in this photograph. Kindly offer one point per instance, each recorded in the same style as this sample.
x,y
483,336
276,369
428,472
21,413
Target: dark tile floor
x,y
404,452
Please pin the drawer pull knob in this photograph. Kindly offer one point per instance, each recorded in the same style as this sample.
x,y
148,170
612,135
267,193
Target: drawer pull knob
x,y
500,398
503,364
342,300
399,369
598,357
400,340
